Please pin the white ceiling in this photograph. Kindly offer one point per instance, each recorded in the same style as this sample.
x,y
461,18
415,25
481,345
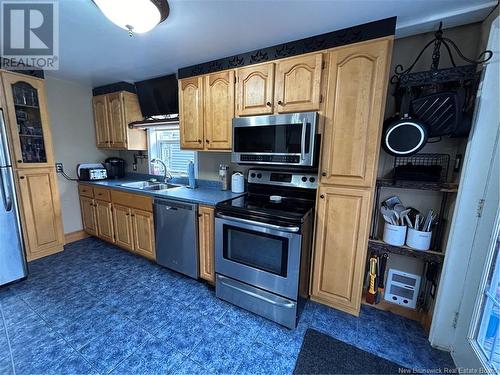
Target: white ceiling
x,y
95,51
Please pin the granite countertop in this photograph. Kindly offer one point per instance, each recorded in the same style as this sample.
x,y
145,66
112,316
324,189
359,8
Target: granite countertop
x,y
206,192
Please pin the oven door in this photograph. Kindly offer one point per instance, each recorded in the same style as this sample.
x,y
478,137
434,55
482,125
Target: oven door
x,y
262,255
280,139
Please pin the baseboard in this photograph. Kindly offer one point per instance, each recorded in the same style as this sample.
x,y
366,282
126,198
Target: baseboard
x,y
75,236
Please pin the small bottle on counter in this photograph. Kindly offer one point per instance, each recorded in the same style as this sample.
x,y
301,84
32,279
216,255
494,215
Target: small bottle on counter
x,y
223,176
191,179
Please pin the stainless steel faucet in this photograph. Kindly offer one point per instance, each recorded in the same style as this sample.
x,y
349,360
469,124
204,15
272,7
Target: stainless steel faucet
x,y
165,170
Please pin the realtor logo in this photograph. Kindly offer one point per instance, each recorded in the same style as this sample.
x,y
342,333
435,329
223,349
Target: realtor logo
x,y
30,35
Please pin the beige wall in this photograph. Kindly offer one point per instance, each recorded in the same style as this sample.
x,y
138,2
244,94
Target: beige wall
x,y
73,135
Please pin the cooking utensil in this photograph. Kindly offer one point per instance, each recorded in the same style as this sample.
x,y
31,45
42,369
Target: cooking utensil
x,y
381,274
370,296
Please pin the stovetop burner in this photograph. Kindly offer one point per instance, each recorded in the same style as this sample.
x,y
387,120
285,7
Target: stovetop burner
x,y
274,196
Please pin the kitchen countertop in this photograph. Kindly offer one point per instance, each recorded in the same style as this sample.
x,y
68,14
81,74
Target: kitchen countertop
x,y
207,193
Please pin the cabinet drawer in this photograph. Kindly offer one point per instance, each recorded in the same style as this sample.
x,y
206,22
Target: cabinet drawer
x,y
86,191
102,194
137,201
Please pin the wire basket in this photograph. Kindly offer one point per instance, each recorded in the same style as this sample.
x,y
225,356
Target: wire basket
x,y
422,167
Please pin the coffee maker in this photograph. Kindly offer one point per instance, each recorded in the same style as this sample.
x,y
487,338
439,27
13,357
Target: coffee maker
x,y
115,167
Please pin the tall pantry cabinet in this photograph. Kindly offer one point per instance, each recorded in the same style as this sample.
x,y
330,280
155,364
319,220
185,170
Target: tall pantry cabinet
x,y
354,109
25,112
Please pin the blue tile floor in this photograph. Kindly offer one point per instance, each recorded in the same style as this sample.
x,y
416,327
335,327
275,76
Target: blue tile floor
x,y
97,309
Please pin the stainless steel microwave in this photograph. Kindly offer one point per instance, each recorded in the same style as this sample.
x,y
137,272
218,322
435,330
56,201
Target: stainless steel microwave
x,y
288,139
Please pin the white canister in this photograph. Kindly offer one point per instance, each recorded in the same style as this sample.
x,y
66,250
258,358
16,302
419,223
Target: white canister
x,y
394,234
418,240
238,183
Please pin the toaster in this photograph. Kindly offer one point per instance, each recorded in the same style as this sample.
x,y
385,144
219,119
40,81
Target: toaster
x,y
93,174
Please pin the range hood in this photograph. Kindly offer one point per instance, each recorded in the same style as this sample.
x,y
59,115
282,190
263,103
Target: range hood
x,y
159,101
172,119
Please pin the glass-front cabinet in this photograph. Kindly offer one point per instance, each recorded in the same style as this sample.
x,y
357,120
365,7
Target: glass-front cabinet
x,y
28,121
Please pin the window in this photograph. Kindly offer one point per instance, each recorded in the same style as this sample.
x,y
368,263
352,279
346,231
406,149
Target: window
x,y
164,144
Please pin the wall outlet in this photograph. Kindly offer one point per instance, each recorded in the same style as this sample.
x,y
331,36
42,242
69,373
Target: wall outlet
x,y
59,167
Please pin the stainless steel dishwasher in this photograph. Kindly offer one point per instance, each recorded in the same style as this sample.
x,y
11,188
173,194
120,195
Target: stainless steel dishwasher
x,y
176,230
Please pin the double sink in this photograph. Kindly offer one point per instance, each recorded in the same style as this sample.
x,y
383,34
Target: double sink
x,y
150,186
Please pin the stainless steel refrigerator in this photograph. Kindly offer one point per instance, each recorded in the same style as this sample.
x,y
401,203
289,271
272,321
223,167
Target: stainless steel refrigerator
x,y
12,256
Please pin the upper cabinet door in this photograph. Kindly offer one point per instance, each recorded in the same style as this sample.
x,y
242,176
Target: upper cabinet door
x,y
117,122
298,84
100,105
255,86
191,113
357,85
28,120
219,110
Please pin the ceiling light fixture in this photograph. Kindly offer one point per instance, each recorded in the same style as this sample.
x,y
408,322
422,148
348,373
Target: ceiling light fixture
x,y
135,16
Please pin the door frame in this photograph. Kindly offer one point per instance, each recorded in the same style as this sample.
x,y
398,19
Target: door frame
x,y
478,163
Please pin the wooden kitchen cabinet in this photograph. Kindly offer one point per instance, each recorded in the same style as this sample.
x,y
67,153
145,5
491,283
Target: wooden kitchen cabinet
x,y
298,84
219,110
112,114
40,211
357,85
104,221
89,218
206,242
191,113
123,227
340,248
27,117
255,90
101,122
144,238
122,218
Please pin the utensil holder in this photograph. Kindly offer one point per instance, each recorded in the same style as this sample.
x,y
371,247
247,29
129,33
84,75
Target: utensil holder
x,y
394,234
418,240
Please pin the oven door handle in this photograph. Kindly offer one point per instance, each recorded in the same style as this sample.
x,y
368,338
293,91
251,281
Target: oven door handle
x,y
303,140
257,223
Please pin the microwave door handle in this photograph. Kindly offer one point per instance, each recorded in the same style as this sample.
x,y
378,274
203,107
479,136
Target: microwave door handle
x,y
303,140
257,223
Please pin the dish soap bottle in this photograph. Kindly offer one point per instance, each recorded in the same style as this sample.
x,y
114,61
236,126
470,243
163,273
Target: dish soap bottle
x,y
191,179
223,176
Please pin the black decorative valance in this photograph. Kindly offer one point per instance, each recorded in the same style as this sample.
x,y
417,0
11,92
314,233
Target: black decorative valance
x,y
355,34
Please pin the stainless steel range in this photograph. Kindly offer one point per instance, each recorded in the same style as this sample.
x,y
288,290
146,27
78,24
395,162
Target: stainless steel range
x,y
263,243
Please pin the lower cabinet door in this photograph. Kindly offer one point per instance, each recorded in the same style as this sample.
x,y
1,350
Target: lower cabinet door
x,y
122,218
144,239
89,219
104,221
41,212
343,219
206,240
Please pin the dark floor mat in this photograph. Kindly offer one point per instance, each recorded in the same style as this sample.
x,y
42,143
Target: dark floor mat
x,y
322,354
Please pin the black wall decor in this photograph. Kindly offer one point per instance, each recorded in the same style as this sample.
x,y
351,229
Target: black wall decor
x,y
355,34
114,87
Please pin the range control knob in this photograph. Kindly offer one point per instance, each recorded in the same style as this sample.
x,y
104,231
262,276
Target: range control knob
x,y
312,179
259,175
304,179
252,175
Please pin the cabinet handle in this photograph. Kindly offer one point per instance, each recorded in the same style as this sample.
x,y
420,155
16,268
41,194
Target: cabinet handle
x,y
132,215
199,140
322,196
19,161
268,104
21,177
280,102
127,214
206,140
323,174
